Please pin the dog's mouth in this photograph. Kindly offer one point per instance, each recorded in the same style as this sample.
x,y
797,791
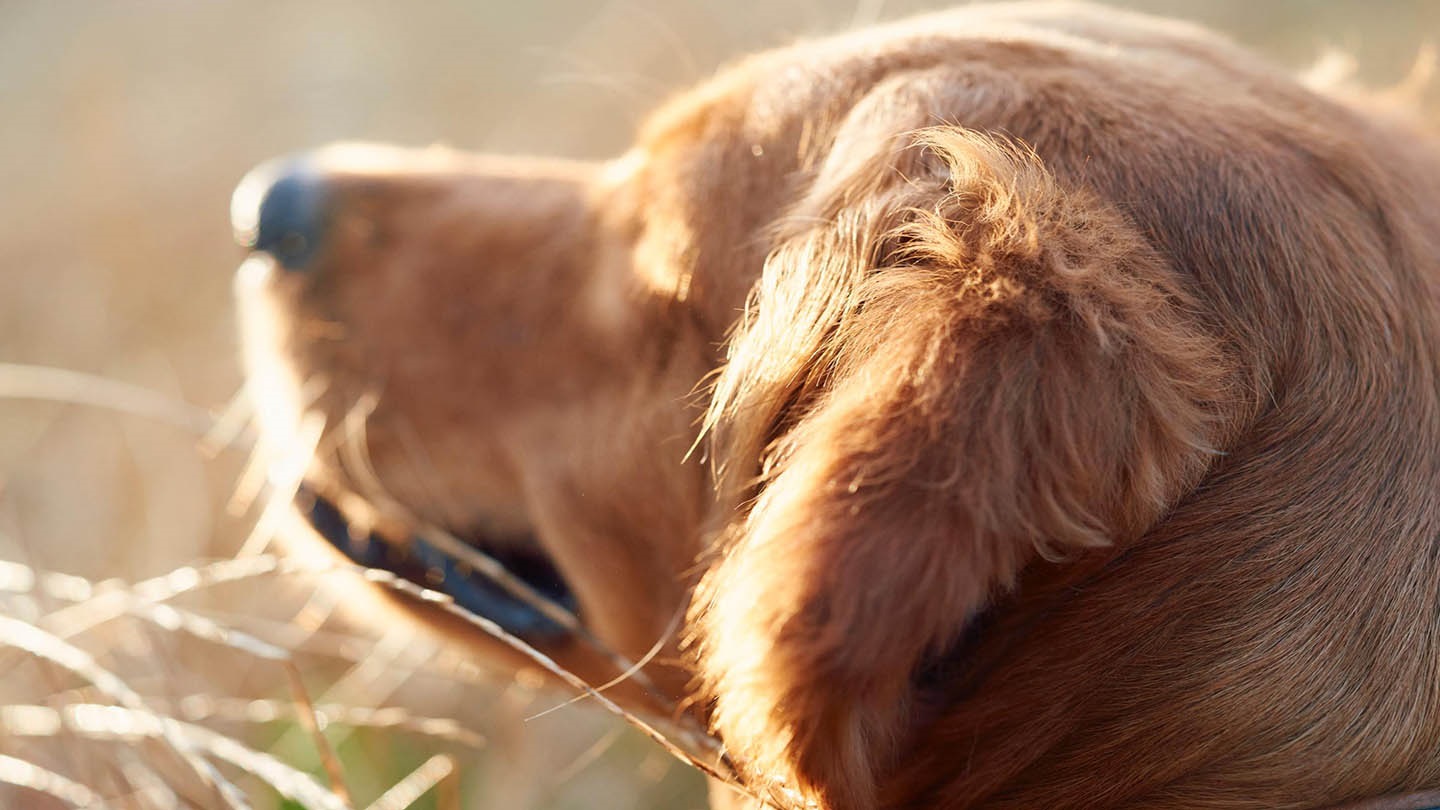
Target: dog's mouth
x,y
532,605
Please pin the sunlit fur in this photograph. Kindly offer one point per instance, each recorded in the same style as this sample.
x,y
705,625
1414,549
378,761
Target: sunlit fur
x,y
1060,391
937,333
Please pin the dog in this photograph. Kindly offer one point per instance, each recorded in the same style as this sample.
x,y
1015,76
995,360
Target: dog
x,y
1022,406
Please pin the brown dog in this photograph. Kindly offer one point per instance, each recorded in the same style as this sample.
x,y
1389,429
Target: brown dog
x,y
1063,388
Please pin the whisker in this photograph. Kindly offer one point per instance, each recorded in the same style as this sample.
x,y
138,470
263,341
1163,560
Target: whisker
x,y
867,12
248,484
294,452
353,446
679,45
285,475
419,459
627,86
231,426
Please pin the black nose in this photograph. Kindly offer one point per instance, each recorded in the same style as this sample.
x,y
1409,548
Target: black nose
x,y
280,208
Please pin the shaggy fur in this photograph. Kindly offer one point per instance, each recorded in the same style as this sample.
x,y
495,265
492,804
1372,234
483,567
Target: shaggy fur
x,y
1071,408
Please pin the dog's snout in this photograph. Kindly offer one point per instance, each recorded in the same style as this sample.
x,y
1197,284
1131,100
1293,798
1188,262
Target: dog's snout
x,y
282,209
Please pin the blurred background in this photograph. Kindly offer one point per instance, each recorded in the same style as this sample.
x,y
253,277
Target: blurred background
x,y
125,125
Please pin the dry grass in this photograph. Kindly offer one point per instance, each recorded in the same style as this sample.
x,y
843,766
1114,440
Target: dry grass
x,y
57,624
192,761
132,675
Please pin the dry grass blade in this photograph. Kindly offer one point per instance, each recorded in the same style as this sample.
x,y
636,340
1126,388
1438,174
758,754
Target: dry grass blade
x,y
407,791
113,602
588,756
18,381
205,707
311,722
17,578
97,603
29,775
102,722
41,644
628,674
146,787
167,617
374,676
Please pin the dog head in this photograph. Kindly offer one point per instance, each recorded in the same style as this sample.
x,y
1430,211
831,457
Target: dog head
x,y
899,365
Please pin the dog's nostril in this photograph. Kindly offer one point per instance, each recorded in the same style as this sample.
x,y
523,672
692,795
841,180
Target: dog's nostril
x,y
281,209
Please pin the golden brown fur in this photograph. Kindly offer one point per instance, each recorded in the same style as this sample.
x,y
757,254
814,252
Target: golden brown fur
x,y
1070,423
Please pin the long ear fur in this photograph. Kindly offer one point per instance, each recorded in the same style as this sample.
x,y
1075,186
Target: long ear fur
x,y
955,366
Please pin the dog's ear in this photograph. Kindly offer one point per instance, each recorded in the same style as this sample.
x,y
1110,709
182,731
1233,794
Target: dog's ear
x,y
951,365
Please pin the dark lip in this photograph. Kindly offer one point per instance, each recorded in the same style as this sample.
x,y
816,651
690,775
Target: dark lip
x,y
424,564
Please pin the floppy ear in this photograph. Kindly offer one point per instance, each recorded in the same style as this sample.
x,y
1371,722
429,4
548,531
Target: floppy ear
x,y
958,366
